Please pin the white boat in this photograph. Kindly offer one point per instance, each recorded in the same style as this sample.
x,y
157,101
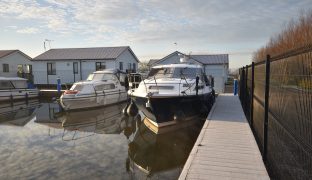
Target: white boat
x,y
15,88
101,88
172,93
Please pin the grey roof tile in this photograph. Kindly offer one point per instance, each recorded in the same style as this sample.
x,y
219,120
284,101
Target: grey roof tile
x,y
212,59
4,53
82,53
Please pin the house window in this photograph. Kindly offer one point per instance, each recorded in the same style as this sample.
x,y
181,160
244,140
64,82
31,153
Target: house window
x,y
5,67
100,66
134,67
75,67
51,67
129,66
121,66
20,68
29,68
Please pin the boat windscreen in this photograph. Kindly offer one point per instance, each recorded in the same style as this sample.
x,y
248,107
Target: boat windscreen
x,y
6,85
101,77
20,84
178,72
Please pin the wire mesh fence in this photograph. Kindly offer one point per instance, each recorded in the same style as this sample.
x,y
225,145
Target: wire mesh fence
x,y
276,96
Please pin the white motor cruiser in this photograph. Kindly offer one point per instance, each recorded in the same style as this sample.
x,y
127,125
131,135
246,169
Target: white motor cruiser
x,y
101,88
15,88
173,92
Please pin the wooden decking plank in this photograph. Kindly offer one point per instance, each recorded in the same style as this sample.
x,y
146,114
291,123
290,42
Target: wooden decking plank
x,y
225,148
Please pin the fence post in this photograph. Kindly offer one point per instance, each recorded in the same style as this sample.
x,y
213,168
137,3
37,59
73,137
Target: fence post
x,y
246,89
252,93
266,108
242,88
240,84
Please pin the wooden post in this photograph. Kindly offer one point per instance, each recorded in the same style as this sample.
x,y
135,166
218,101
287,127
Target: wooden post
x,y
252,93
266,108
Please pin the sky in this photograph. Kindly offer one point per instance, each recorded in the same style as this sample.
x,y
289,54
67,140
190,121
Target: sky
x,y
152,28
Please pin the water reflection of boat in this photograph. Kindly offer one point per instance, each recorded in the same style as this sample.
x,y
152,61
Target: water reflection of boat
x,y
152,154
19,114
106,120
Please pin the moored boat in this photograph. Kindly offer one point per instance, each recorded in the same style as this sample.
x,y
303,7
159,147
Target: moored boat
x,y
172,92
15,88
101,88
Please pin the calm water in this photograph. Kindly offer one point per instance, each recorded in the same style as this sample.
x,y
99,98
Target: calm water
x,y
39,141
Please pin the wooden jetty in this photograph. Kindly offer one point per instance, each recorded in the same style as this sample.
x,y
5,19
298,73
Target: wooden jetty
x,y
226,147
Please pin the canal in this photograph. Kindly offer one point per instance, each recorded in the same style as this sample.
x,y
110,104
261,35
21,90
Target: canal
x,y
40,141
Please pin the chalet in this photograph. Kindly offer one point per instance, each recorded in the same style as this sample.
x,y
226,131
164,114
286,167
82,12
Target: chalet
x,y
75,64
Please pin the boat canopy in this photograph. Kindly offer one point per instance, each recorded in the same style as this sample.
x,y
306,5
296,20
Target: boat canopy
x,y
13,83
175,71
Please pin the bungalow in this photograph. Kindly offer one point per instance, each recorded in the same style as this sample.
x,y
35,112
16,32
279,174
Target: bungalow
x,y
75,64
15,63
216,65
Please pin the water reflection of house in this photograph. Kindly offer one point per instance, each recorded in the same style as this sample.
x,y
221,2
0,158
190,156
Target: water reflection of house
x,y
15,63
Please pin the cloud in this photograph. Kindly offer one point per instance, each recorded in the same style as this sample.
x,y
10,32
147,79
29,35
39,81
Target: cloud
x,y
28,30
194,24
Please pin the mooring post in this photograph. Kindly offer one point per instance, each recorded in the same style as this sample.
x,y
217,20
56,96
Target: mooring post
x,y
235,87
59,87
266,108
252,93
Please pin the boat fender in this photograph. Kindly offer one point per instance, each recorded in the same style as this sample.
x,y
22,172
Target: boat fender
x,y
124,110
148,103
178,116
132,109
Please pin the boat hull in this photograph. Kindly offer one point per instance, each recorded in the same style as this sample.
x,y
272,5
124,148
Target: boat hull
x,y
91,101
165,111
18,94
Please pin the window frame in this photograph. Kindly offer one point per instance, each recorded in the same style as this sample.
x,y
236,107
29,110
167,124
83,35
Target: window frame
x,y
75,68
50,70
102,64
121,66
5,68
134,67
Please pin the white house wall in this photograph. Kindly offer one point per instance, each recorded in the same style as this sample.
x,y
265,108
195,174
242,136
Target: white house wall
x,y
64,70
220,73
13,60
88,66
126,57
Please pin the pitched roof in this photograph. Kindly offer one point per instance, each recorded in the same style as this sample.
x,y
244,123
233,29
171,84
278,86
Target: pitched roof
x,y
4,53
152,61
212,59
83,53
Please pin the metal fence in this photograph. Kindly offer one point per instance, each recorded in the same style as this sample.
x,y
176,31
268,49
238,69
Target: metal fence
x,y
276,96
